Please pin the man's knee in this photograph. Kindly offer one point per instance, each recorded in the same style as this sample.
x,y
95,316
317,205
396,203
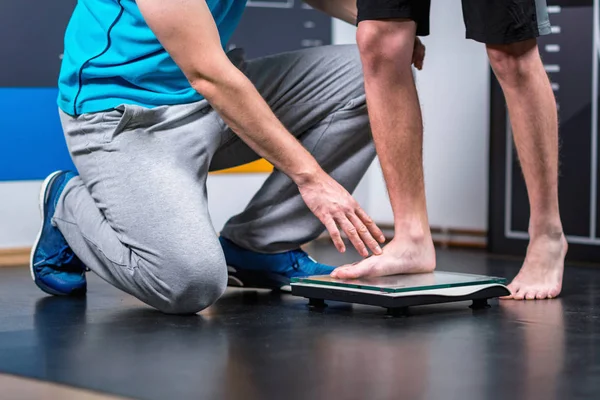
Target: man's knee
x,y
515,62
196,294
190,283
386,45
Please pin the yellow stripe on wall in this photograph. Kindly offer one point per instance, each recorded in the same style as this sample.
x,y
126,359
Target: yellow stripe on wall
x,y
259,166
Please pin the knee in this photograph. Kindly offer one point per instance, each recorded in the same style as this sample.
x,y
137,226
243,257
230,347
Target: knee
x,y
193,282
196,294
386,46
514,63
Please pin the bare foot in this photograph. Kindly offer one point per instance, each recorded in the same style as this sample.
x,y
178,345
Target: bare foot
x,y
400,256
542,272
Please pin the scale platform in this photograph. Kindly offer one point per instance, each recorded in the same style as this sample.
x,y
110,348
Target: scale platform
x,y
398,292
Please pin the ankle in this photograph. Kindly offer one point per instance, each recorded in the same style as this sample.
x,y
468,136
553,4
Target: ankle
x,y
548,231
414,234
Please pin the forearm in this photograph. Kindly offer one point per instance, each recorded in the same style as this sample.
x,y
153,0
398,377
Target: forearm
x,y
240,105
188,32
344,10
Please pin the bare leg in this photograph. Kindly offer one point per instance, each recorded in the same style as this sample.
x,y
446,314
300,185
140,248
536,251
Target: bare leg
x,y
532,110
386,49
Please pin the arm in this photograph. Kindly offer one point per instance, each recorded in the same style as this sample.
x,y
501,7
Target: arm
x,y
188,32
344,10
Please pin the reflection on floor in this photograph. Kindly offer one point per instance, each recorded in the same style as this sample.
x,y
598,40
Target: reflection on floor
x,y
263,345
14,387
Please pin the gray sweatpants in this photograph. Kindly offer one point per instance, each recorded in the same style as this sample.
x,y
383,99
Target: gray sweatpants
x,y
137,214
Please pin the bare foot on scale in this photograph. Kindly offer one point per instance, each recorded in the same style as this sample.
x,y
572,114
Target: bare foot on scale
x,y
400,256
542,272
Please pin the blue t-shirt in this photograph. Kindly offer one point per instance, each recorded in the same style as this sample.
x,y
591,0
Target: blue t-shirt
x,y
112,57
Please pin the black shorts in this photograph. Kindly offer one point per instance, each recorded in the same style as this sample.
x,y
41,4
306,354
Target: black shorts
x,y
486,21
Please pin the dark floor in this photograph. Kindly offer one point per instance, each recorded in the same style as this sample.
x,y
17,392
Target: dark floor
x,y
261,345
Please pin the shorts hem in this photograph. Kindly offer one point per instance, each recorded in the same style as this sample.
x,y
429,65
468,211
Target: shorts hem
x,y
392,13
384,13
502,38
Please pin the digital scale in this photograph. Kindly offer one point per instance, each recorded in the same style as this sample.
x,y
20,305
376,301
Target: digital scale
x,y
399,292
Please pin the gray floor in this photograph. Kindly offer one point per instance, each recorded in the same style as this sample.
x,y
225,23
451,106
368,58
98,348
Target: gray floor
x,y
262,345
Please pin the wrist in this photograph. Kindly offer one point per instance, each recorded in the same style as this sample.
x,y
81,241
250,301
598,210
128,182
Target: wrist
x,y
306,175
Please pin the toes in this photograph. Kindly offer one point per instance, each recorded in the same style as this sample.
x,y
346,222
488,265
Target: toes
x,y
351,272
520,292
358,270
536,294
519,295
347,274
554,292
339,273
530,295
509,297
514,288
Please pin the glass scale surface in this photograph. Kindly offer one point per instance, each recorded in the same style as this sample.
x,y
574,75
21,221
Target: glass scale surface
x,y
401,291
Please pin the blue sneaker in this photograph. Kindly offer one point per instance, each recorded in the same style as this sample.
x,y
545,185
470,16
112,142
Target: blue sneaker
x,y
248,268
54,267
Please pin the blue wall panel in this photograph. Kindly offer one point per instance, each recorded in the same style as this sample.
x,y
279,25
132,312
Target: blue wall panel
x,y
31,139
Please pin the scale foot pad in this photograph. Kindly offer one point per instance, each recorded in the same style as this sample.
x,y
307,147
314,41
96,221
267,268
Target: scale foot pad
x,y
480,304
317,303
397,312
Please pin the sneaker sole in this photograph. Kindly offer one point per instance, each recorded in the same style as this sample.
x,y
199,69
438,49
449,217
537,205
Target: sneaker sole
x,y
43,196
254,280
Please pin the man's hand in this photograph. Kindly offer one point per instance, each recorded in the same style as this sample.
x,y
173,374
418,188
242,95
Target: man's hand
x,y
418,54
335,207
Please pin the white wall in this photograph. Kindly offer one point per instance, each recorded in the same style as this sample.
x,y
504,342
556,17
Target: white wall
x,y
454,94
19,215
229,194
20,220
454,90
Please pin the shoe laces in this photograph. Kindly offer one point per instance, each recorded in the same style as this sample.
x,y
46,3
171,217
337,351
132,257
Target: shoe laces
x,y
297,256
62,260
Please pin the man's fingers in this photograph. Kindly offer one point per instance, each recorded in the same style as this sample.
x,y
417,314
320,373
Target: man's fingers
x,y
352,234
371,226
334,232
415,60
365,234
418,55
418,60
